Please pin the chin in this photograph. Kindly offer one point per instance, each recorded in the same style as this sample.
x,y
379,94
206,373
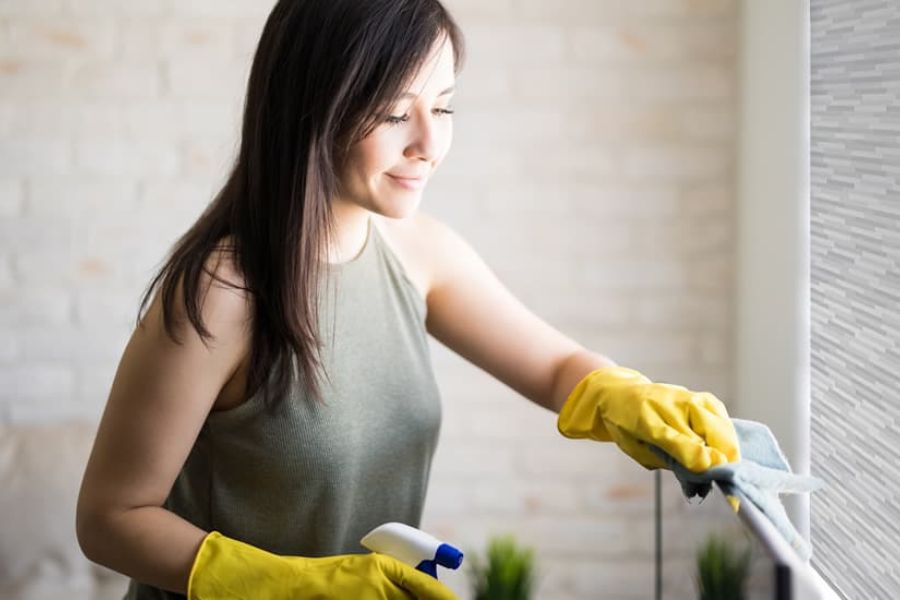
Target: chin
x,y
397,210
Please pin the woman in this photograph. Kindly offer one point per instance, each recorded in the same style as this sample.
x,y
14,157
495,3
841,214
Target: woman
x,y
251,466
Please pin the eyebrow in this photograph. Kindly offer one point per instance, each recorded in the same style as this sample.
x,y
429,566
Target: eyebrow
x,y
443,93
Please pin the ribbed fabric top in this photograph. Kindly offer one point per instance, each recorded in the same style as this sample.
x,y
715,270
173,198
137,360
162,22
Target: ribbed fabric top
x,y
312,480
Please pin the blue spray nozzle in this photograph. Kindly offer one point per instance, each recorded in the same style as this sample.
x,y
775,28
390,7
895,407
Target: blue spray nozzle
x,y
448,556
413,546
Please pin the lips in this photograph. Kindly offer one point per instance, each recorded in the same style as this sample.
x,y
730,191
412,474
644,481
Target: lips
x,y
408,177
410,183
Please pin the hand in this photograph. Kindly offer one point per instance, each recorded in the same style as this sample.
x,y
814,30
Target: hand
x,y
228,568
622,405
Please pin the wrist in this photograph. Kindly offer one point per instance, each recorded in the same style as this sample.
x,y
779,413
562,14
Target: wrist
x,y
572,371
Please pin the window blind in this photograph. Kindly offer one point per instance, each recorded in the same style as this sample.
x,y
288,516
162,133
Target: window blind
x,y
855,294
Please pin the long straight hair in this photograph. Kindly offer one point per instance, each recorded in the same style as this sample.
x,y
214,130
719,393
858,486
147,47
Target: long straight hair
x,y
323,75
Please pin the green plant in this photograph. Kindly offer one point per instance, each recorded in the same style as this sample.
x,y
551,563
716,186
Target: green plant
x,y
722,571
508,572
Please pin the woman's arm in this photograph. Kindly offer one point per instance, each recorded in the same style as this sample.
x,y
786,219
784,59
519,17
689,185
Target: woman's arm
x,y
471,312
160,397
474,314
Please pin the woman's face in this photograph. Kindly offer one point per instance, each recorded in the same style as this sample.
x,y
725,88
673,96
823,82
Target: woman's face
x,y
387,171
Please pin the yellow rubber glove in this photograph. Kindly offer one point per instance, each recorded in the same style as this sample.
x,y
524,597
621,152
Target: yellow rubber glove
x,y
228,568
622,405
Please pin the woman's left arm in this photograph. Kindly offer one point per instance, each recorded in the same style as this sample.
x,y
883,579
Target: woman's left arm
x,y
474,314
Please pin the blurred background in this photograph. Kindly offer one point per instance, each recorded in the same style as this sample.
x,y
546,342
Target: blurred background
x,y
596,167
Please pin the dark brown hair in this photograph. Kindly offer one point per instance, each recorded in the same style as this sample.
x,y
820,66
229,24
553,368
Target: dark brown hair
x,y
323,75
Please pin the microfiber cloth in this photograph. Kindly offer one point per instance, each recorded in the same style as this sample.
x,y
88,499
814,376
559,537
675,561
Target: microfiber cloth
x,y
762,473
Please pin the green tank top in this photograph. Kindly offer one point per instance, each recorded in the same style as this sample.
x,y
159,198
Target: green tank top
x,y
310,480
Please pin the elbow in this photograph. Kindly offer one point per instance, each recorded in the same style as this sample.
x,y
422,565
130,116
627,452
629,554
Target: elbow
x,y
84,524
86,532
93,528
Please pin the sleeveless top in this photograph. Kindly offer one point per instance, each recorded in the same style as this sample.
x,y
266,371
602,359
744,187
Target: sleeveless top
x,y
311,480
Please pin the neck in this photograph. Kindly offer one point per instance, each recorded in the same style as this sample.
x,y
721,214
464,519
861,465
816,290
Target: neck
x,y
350,227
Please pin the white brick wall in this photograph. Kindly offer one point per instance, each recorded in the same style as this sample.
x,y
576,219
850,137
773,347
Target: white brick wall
x,y
592,167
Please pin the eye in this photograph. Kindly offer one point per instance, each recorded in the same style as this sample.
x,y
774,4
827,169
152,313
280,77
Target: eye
x,y
392,120
397,120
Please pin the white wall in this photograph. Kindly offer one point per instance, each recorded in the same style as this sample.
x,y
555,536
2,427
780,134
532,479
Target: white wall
x,y
772,369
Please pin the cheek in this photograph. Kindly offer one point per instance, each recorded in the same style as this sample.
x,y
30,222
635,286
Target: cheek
x,y
448,140
381,152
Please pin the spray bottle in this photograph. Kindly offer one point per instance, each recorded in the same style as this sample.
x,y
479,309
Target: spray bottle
x,y
412,546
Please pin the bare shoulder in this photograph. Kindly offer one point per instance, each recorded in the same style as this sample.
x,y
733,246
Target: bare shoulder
x,y
415,242
224,304
222,270
427,246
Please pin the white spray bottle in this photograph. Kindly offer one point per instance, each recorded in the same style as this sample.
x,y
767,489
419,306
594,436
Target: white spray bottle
x,y
412,546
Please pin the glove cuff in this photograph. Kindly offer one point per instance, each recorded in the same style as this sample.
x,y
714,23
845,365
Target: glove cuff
x,y
225,567
581,414
201,558
615,375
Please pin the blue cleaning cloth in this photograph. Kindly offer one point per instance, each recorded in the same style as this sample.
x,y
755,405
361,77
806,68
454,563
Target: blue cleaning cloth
x,y
762,473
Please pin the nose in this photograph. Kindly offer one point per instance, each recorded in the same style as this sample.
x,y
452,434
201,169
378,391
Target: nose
x,y
427,138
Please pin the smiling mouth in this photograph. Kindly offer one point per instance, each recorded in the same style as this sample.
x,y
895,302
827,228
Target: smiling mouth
x,y
406,177
408,182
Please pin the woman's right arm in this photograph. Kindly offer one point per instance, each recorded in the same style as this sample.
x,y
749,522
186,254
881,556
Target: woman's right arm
x,y
160,397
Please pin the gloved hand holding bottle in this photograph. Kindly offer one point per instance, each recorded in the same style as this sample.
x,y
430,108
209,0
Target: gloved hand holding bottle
x,y
618,404
228,568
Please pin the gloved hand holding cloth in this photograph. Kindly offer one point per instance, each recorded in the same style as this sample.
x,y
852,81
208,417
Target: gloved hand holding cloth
x,y
622,405
228,568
